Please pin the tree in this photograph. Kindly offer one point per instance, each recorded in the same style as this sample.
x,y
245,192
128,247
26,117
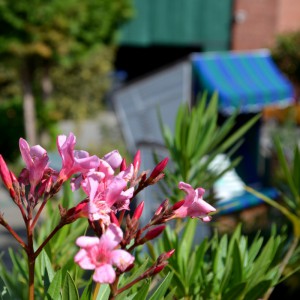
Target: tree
x,y
37,35
287,56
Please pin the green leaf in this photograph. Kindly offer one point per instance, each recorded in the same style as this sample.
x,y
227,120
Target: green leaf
x,y
54,289
285,167
69,291
235,292
143,291
104,292
4,291
237,266
186,240
258,290
161,290
87,292
46,270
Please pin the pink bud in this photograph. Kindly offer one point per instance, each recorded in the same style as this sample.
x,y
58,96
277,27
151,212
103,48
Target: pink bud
x,y
137,161
5,174
79,211
138,211
159,168
165,256
159,268
123,165
178,205
114,219
169,253
162,207
8,177
153,233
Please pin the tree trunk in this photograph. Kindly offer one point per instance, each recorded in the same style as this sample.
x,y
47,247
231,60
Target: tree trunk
x,y
28,105
47,86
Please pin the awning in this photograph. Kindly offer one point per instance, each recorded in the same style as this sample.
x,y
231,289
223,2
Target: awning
x,y
245,80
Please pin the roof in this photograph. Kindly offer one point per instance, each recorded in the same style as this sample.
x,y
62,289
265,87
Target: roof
x,y
247,81
179,23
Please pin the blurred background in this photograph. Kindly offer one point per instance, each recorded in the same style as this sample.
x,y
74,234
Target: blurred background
x,y
60,63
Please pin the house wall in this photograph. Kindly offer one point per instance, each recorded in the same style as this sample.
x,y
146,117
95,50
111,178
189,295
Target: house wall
x,y
258,22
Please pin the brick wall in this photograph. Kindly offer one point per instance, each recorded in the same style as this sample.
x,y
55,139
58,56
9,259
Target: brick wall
x,y
258,22
288,16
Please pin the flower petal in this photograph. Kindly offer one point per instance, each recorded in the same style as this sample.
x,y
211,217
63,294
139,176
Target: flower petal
x,y
104,274
83,260
112,236
122,259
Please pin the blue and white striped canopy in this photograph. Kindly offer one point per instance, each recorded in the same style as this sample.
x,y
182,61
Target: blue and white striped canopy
x,y
248,81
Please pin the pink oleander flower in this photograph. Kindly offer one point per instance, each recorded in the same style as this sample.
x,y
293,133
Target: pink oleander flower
x,y
36,160
107,193
74,161
114,159
101,254
194,206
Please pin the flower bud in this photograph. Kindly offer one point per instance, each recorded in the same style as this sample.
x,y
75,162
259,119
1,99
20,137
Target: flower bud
x,y
8,177
162,208
114,219
76,212
123,165
137,162
159,168
165,256
159,268
153,233
5,174
138,211
178,204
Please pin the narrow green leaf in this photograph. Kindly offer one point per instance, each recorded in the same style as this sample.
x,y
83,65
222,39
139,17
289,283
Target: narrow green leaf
x,y
54,289
46,270
237,266
69,291
239,133
162,288
171,295
104,292
4,291
235,292
87,292
285,167
184,246
143,291
258,290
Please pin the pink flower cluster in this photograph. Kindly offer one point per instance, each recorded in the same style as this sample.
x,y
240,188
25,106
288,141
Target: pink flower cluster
x,y
110,185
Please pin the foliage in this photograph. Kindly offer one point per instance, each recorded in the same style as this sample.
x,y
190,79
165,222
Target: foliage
x,y
11,126
227,267
286,54
72,37
81,87
197,141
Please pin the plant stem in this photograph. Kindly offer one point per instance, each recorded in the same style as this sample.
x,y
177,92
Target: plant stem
x,y
38,213
49,237
13,233
31,261
283,264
